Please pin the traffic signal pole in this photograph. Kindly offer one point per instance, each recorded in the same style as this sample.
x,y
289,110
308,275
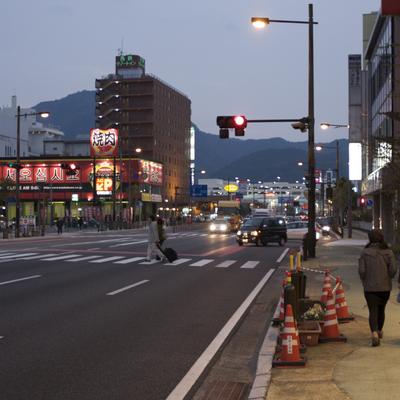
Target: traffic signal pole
x,y
17,182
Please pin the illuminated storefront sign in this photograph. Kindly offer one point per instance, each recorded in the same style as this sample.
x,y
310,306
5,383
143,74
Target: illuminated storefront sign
x,y
103,142
150,172
231,188
105,177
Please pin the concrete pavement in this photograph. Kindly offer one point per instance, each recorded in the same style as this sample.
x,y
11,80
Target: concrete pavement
x,y
352,370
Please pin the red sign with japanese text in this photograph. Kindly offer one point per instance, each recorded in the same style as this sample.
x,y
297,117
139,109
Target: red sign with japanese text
x,y
390,7
103,143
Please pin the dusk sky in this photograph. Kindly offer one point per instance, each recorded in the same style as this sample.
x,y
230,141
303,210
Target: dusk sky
x,y
207,49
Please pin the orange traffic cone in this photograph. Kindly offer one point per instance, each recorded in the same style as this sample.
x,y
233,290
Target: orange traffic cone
x,y
342,310
290,353
330,331
327,286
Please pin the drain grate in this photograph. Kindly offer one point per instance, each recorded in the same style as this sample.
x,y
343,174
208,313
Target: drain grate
x,y
221,390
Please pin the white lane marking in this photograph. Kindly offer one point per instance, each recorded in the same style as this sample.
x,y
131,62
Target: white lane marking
x,y
83,258
4,251
183,387
178,261
18,255
64,257
129,260
201,263
250,264
38,256
94,248
191,234
92,242
282,256
204,234
129,243
103,260
150,262
20,279
4,255
127,287
226,264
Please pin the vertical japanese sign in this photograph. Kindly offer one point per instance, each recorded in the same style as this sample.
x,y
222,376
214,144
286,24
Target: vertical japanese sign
x,y
103,142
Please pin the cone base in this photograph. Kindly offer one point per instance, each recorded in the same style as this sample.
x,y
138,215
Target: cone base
x,y
345,319
340,338
278,363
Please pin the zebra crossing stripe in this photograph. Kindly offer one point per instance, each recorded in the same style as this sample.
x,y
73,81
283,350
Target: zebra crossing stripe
x,y
103,260
178,261
150,262
18,255
201,263
225,264
83,258
38,256
250,264
6,254
64,257
129,260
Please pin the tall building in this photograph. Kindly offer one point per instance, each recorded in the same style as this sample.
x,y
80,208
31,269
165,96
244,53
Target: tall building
x,y
381,110
151,115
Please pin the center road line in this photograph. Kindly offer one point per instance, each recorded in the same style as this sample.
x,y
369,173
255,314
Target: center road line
x,y
103,260
64,257
201,263
127,287
226,264
182,389
83,258
129,260
20,279
282,256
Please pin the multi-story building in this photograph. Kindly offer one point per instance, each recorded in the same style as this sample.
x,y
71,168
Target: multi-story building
x,y
381,110
150,115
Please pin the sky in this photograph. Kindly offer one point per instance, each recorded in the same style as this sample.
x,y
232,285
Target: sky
x,y
207,49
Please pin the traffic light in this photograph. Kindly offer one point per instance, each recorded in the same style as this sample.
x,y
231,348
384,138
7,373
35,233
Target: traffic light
x,y
236,122
362,202
70,169
13,164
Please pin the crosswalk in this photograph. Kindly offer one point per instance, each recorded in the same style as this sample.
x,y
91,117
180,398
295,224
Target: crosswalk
x,y
126,260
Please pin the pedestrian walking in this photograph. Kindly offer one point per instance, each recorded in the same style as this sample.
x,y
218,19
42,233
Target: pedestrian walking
x,y
376,267
153,241
60,223
161,233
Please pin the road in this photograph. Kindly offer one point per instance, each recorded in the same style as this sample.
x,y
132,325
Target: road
x,y
83,316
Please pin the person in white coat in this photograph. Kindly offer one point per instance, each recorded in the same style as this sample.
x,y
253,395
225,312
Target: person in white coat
x,y
154,241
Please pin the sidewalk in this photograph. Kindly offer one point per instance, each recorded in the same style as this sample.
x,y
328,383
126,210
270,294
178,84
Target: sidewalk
x,y
352,370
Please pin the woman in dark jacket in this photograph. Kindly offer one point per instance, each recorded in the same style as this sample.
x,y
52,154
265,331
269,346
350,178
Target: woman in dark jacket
x,y
377,267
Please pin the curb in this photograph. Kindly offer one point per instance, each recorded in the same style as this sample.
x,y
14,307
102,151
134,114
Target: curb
x,y
263,375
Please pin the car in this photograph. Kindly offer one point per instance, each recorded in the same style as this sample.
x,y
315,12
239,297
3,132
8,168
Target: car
x,y
297,230
219,225
325,224
261,231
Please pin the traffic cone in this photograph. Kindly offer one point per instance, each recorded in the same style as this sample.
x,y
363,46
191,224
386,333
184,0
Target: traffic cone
x,y
290,352
281,317
342,310
330,331
327,286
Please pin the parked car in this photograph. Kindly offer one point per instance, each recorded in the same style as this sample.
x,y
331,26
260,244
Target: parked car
x,y
259,230
297,230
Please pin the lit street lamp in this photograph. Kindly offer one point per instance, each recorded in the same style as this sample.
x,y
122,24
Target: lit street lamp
x,y
261,23
42,114
326,125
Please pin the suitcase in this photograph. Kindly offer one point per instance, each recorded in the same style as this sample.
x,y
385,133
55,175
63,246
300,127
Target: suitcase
x,y
170,254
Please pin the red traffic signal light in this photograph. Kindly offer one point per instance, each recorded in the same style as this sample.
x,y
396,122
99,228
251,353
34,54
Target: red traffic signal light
x,y
236,122
362,201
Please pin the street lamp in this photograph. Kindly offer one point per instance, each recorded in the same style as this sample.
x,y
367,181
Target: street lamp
x,y
259,23
43,114
326,125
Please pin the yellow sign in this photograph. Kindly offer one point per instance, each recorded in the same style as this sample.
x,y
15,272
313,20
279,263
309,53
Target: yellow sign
x,y
231,188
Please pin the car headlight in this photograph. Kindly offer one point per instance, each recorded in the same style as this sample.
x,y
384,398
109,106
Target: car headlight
x,y
223,227
326,228
317,235
213,227
253,233
239,233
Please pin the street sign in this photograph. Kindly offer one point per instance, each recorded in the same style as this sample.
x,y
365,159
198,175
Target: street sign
x,y
198,190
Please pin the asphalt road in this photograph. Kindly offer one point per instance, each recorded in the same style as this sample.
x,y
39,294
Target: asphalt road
x,y
83,316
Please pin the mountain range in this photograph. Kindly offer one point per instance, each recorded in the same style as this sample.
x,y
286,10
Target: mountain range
x,y
256,159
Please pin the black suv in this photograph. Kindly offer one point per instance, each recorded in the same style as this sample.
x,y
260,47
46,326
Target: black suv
x,y
262,230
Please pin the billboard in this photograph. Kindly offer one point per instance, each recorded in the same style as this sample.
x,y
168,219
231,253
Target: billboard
x,y
390,7
103,142
355,162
